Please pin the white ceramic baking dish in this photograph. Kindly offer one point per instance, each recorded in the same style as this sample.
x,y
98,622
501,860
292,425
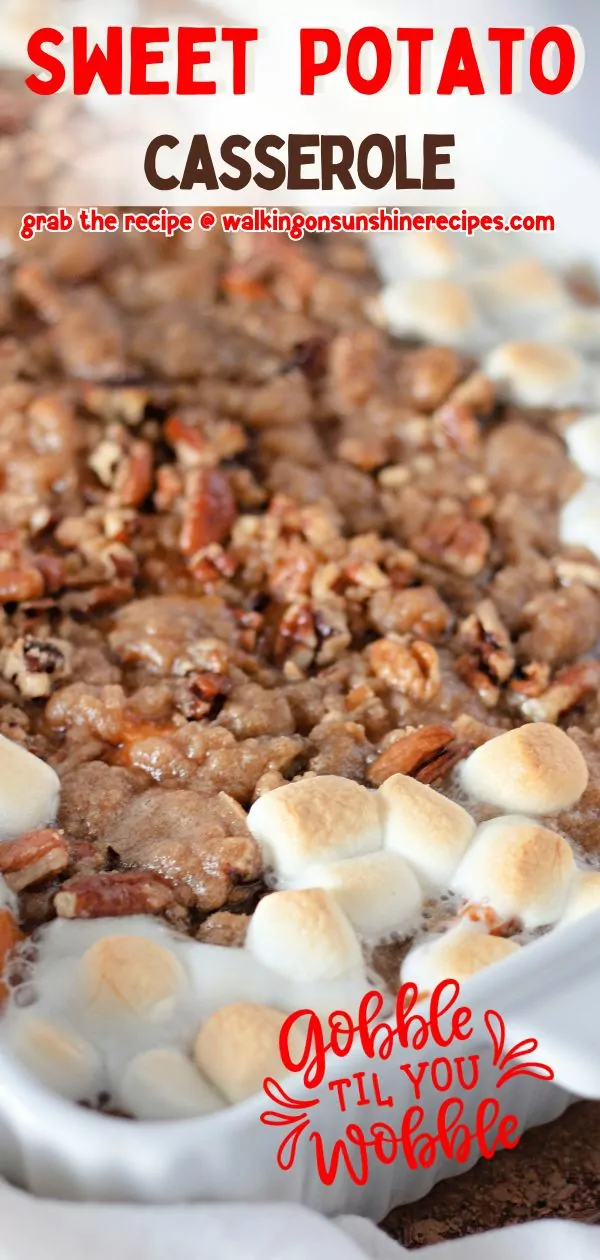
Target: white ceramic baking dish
x,y
550,991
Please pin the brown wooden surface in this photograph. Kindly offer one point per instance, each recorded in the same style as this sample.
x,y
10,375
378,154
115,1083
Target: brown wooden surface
x,y
554,1172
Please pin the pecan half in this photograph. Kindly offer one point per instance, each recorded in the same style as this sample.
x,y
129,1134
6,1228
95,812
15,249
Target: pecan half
x,y
35,856
210,510
455,543
419,754
112,894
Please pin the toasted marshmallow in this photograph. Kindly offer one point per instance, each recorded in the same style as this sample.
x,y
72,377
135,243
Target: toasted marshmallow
x,y
29,791
304,935
519,870
575,326
583,898
428,254
131,975
456,955
238,1047
165,1085
429,831
378,893
520,290
61,1059
535,769
533,374
580,519
583,441
314,820
440,311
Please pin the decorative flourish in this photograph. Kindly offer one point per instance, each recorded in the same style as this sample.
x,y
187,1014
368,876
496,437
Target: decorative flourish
x,y
497,1030
286,1152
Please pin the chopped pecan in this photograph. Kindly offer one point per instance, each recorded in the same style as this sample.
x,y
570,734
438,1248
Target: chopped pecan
x,y
467,668
455,427
490,660
417,610
428,375
297,636
582,572
197,692
133,480
112,894
20,584
477,392
34,857
531,679
169,486
570,686
455,543
189,443
10,936
414,754
35,665
210,510
413,670
224,928
364,455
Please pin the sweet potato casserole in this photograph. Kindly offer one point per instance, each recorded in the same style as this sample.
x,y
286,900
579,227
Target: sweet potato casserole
x,y
300,588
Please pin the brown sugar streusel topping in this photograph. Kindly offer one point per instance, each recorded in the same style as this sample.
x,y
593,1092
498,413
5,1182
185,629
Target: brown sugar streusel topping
x,y
246,536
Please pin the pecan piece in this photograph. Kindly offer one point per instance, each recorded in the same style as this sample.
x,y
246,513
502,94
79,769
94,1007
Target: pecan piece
x,y
113,894
133,480
35,665
10,935
197,692
224,928
491,659
570,686
34,857
20,584
455,543
413,670
210,510
413,753
455,428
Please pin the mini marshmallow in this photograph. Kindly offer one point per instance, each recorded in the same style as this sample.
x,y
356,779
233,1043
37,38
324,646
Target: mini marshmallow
x,y
165,1085
458,954
29,791
519,869
314,820
238,1047
439,311
583,898
533,374
304,935
61,1059
429,831
428,254
378,893
131,975
579,524
535,769
577,327
583,442
519,291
